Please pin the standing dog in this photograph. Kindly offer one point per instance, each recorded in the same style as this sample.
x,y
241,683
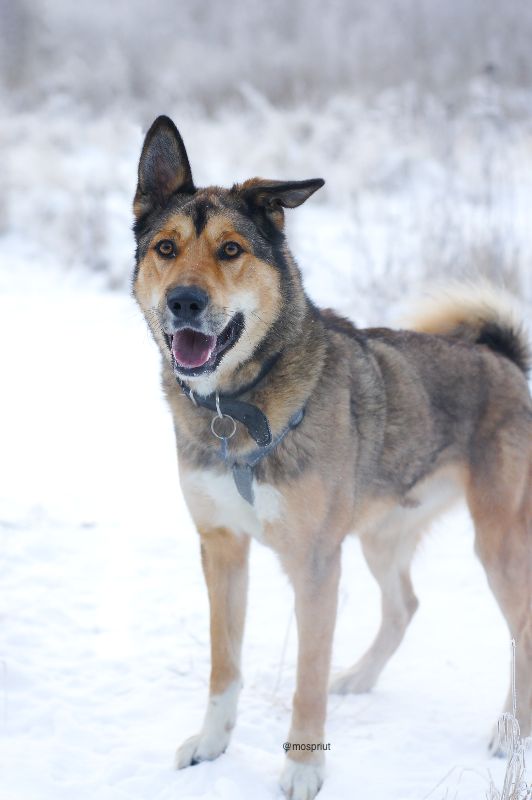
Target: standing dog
x,y
296,428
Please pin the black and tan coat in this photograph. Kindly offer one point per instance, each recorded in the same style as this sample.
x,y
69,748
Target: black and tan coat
x,y
396,426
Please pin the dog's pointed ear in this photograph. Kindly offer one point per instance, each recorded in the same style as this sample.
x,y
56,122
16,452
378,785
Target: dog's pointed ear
x,y
164,169
272,196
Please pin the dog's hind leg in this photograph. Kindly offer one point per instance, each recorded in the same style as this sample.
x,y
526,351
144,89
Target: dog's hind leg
x,y
388,551
225,565
501,507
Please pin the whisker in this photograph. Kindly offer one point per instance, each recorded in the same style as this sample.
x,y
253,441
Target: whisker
x,y
233,311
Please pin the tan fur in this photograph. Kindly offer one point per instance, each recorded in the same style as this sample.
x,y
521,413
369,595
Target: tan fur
x,y
397,425
502,515
224,557
451,307
318,512
196,265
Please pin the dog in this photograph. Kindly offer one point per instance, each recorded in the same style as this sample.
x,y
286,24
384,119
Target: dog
x,y
296,428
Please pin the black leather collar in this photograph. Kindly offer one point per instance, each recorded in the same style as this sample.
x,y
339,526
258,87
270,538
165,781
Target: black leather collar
x,y
255,420
256,423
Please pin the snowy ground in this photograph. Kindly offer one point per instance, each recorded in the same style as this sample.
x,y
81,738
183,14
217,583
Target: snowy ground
x,y
427,154
104,651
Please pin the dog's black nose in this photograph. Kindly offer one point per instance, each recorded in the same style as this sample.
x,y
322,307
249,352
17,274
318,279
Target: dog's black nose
x,y
187,302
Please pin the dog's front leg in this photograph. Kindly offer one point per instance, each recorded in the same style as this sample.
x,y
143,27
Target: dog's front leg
x,y
316,591
225,565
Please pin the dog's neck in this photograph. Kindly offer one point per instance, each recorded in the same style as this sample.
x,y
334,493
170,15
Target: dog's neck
x,y
281,376
291,343
241,383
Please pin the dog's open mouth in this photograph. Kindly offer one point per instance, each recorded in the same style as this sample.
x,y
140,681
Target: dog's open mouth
x,y
195,352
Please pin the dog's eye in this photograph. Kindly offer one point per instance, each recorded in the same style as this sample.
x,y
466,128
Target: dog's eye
x,y
230,250
166,248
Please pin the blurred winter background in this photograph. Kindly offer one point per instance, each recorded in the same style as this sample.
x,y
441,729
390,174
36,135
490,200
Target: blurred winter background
x,y
418,114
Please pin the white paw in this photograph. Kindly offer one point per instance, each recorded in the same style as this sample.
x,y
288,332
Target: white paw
x,y
216,731
200,748
352,681
301,781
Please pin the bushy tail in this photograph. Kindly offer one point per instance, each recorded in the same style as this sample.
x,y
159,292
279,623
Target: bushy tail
x,y
479,313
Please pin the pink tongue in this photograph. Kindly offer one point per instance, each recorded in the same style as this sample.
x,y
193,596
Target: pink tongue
x,y
191,348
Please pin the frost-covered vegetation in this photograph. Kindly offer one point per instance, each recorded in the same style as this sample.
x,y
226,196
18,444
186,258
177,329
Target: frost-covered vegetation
x,y
515,786
416,113
419,115
204,51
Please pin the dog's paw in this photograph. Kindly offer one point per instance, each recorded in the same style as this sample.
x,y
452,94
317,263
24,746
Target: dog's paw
x,y
198,748
301,781
352,681
215,734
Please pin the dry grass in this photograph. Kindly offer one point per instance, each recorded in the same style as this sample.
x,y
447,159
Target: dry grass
x,y
515,785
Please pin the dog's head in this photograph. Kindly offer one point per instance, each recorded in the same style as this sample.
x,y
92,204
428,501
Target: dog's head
x,y
212,274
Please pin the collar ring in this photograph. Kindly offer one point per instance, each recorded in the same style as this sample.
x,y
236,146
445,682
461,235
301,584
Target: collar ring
x,y
222,435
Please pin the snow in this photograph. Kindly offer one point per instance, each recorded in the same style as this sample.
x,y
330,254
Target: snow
x,y
409,195
104,645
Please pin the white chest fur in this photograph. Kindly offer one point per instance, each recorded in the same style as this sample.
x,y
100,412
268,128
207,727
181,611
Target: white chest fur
x,y
214,501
